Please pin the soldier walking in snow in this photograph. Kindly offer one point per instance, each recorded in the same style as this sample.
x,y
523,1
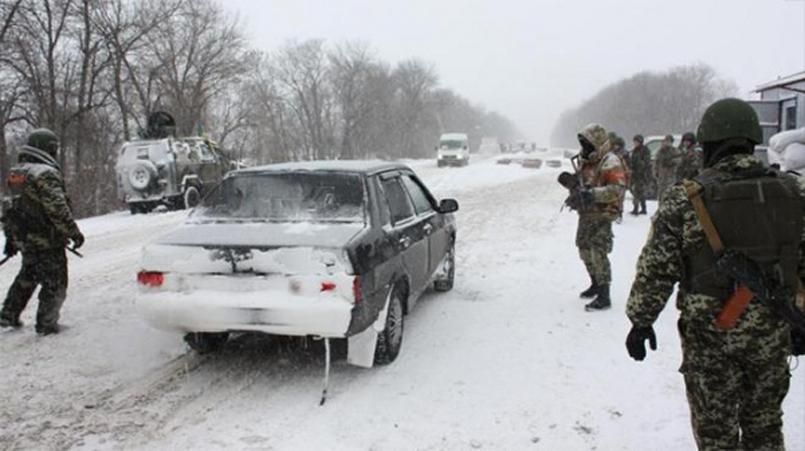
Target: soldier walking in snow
x,y
665,167
640,166
690,163
598,202
38,222
731,238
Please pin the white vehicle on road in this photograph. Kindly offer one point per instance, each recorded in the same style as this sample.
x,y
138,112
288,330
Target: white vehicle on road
x,y
453,150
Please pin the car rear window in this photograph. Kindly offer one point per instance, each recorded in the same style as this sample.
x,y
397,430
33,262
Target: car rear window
x,y
293,196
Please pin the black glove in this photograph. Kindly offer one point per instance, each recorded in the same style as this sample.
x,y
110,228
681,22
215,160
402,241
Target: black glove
x,y
636,342
797,342
78,240
10,249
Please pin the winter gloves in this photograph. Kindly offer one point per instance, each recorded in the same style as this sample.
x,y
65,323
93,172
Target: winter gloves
x,y
78,240
636,342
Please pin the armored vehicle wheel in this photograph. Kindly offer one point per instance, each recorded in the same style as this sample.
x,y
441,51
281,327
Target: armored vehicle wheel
x,y
142,175
191,197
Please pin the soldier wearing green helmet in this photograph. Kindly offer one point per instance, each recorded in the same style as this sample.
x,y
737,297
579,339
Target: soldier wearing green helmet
x,y
735,344
38,223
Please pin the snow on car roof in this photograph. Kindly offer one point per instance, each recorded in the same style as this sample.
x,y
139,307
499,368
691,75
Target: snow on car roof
x,y
362,166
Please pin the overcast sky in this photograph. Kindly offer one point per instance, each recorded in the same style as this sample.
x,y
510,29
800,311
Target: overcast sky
x,y
531,59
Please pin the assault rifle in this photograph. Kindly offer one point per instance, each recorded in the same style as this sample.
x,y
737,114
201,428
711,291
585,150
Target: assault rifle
x,y
765,288
574,184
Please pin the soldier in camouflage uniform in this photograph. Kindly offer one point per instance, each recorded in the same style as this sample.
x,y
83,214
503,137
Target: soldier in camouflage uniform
x,y
39,224
736,377
691,161
604,183
665,167
640,166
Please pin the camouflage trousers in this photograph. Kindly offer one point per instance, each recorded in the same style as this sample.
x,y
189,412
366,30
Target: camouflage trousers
x,y
639,190
45,269
735,387
594,240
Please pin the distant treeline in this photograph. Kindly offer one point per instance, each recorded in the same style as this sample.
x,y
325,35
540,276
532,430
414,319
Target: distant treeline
x,y
648,103
92,70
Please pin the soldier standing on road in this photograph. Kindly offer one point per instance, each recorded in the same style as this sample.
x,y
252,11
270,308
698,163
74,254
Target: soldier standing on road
x,y
665,169
39,224
691,162
603,184
640,165
736,373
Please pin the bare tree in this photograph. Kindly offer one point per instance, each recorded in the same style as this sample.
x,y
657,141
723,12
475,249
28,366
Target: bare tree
x,y
648,103
199,51
125,25
414,80
301,69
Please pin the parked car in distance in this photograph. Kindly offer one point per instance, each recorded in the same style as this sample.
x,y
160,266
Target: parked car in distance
x,y
322,249
453,150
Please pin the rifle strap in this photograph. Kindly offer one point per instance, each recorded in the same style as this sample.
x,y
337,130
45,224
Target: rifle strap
x,y
694,191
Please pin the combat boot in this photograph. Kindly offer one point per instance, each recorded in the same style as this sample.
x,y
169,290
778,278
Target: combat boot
x,y
47,330
601,302
590,292
10,322
643,208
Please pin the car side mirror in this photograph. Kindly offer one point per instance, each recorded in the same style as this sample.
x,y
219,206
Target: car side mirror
x,y
448,206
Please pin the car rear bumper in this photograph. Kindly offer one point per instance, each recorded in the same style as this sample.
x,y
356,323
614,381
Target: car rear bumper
x,y
269,312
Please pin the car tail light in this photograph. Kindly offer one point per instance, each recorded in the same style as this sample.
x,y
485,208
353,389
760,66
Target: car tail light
x,y
327,286
150,278
357,289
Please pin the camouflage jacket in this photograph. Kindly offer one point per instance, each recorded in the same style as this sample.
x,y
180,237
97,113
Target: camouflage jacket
x,y
39,216
675,235
668,159
641,165
607,178
690,163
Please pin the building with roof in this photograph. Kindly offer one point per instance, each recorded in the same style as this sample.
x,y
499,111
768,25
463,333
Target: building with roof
x,y
781,105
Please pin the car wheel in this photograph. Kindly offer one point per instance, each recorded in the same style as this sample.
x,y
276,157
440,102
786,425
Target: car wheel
x,y
389,342
134,209
439,164
444,281
206,342
191,197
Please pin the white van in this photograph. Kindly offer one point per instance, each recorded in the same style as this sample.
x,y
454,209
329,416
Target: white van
x,y
454,149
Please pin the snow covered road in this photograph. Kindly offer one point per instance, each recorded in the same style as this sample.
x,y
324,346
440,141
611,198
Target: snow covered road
x,y
508,360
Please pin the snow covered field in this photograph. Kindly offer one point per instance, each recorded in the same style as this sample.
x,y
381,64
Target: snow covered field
x,y
508,360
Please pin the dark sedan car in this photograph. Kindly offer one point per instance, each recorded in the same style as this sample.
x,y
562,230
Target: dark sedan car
x,y
323,249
